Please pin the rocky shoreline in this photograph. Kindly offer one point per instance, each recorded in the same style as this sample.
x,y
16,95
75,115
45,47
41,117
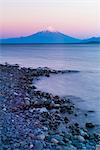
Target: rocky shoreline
x,y
36,120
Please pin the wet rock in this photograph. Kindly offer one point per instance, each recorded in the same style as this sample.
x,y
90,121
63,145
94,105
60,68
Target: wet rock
x,y
31,146
27,102
35,119
56,97
56,106
15,93
89,125
67,108
69,147
38,145
97,147
47,103
73,147
83,133
58,137
80,138
55,141
86,114
53,105
31,110
41,137
58,147
75,130
43,110
4,109
75,115
91,111
33,87
66,120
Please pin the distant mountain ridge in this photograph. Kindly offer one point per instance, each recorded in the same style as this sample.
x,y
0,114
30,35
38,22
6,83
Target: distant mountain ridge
x,y
47,37
92,40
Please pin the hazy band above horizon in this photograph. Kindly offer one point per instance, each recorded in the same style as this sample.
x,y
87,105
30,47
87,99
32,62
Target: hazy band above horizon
x,y
74,17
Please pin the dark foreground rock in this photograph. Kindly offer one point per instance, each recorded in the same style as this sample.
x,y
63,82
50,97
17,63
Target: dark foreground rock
x,y
36,120
90,125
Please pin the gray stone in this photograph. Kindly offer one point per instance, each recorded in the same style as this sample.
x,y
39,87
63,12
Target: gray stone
x,y
58,137
4,109
15,93
97,147
83,133
31,110
55,141
56,106
43,110
31,145
59,147
41,136
89,125
69,147
38,145
80,138
27,102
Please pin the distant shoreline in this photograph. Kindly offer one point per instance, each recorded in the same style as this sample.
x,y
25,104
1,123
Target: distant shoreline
x,y
47,37
49,43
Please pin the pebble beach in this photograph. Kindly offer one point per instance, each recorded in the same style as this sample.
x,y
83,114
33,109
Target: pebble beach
x,y
35,120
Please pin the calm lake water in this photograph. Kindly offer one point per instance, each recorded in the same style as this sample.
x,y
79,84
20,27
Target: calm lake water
x,y
86,58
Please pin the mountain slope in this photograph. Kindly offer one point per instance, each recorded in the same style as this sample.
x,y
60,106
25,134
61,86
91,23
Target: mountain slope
x,y
43,37
92,40
47,37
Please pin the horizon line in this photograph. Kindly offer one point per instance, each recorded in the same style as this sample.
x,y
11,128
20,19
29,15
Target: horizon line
x,y
46,30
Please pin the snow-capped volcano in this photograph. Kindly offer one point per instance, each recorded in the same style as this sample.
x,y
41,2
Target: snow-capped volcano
x,y
43,37
47,37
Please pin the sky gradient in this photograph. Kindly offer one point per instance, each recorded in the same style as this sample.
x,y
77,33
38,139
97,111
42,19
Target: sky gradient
x,y
77,18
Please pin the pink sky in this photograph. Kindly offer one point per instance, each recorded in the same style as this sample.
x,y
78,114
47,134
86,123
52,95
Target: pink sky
x,y
78,18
